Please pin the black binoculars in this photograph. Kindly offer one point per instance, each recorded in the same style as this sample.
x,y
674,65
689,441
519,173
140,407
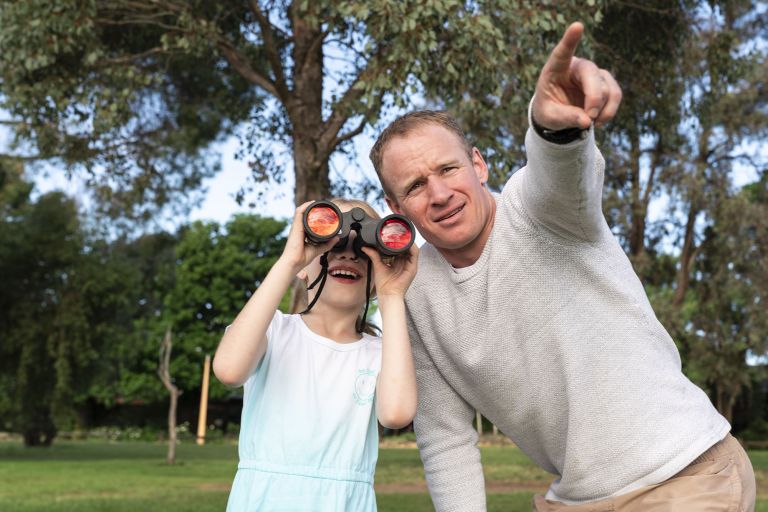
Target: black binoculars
x,y
391,236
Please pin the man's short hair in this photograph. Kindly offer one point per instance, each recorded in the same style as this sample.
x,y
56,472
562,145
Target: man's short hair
x,y
408,123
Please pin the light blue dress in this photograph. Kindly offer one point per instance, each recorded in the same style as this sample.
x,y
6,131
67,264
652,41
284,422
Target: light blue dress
x,y
308,435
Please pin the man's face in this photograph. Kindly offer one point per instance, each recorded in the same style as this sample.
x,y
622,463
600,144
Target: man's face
x,y
434,182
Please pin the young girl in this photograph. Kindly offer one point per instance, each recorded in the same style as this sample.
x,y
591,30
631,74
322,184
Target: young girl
x,y
308,437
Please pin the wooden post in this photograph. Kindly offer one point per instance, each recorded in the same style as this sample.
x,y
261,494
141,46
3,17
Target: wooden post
x,y
203,418
479,423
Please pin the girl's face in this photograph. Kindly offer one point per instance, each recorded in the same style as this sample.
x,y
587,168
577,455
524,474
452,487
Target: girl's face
x,y
345,283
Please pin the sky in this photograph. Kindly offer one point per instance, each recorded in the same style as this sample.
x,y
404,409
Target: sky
x,y
219,202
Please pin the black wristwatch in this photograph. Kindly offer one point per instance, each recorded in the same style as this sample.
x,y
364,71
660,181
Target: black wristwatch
x,y
558,136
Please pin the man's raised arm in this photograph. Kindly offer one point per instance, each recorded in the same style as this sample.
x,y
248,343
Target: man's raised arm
x,y
562,184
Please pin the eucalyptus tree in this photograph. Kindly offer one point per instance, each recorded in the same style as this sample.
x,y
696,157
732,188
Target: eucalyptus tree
x,y
134,92
729,295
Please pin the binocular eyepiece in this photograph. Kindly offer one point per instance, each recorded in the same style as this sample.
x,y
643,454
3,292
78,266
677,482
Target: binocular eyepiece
x,y
391,236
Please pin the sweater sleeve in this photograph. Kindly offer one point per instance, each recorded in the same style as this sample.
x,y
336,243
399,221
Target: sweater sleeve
x,y
446,439
562,186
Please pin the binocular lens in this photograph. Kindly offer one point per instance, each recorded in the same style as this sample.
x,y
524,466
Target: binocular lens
x,y
395,234
323,221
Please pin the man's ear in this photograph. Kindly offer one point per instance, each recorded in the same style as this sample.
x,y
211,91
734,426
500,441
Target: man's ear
x,y
393,205
481,168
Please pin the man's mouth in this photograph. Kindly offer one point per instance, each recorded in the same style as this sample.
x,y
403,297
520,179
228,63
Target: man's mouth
x,y
450,214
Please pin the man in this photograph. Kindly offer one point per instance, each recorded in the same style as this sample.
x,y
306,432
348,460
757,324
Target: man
x,y
526,309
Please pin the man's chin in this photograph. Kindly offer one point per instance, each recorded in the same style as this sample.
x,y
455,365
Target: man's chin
x,y
449,243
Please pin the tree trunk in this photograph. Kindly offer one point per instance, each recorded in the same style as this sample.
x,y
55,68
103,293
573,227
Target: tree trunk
x,y
163,371
686,258
305,110
35,437
637,222
171,456
724,402
306,113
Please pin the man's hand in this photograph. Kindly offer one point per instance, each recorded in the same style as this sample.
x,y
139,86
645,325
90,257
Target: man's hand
x,y
573,92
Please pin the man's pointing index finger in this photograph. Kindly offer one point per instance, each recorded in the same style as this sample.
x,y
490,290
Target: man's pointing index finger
x,y
560,59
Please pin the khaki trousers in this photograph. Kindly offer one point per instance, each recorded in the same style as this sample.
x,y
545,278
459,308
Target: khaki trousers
x,y
720,479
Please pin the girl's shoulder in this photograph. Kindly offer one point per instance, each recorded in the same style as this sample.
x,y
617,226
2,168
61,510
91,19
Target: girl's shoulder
x,y
283,325
373,341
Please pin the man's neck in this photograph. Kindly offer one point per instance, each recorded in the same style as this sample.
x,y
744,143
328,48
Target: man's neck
x,y
470,253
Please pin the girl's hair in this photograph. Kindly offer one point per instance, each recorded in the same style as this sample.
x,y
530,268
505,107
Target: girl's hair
x,y
368,327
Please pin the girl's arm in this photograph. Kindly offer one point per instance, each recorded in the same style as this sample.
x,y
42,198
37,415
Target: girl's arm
x,y
245,341
396,385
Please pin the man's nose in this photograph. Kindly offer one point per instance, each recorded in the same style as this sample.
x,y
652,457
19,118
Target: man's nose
x,y
439,192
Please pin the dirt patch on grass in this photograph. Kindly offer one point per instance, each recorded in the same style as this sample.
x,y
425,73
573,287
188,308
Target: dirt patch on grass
x,y
408,441
490,487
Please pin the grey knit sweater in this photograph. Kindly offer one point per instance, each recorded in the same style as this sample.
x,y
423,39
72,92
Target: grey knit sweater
x,y
550,336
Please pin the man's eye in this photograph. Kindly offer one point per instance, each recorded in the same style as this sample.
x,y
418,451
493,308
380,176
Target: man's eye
x,y
413,188
445,170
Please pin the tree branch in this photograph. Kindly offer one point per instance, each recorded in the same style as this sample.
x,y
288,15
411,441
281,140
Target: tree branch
x,y
339,115
352,133
138,56
20,158
241,65
657,156
270,47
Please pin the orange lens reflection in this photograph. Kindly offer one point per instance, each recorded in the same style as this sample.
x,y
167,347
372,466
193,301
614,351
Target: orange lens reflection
x,y
323,221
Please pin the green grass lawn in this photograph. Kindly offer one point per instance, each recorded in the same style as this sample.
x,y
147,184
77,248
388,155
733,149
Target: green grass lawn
x,y
132,476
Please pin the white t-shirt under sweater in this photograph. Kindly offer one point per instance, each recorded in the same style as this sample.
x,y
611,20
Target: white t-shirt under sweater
x,y
309,436
550,335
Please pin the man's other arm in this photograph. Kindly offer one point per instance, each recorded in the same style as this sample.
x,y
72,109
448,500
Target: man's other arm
x,y
446,439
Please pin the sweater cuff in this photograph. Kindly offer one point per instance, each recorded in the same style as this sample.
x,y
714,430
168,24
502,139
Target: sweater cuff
x,y
565,136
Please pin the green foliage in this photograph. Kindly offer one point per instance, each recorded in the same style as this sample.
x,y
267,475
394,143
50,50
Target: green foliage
x,y
216,272
486,66
134,92
730,294
59,301
82,318
127,366
97,93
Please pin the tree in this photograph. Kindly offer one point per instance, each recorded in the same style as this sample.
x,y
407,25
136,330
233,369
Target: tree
x,y
644,135
687,121
60,300
126,366
134,91
730,294
216,271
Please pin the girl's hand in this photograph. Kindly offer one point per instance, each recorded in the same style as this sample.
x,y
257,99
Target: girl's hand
x,y
393,277
297,253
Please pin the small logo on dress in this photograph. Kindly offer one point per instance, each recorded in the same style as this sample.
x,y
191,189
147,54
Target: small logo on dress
x,y
365,387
